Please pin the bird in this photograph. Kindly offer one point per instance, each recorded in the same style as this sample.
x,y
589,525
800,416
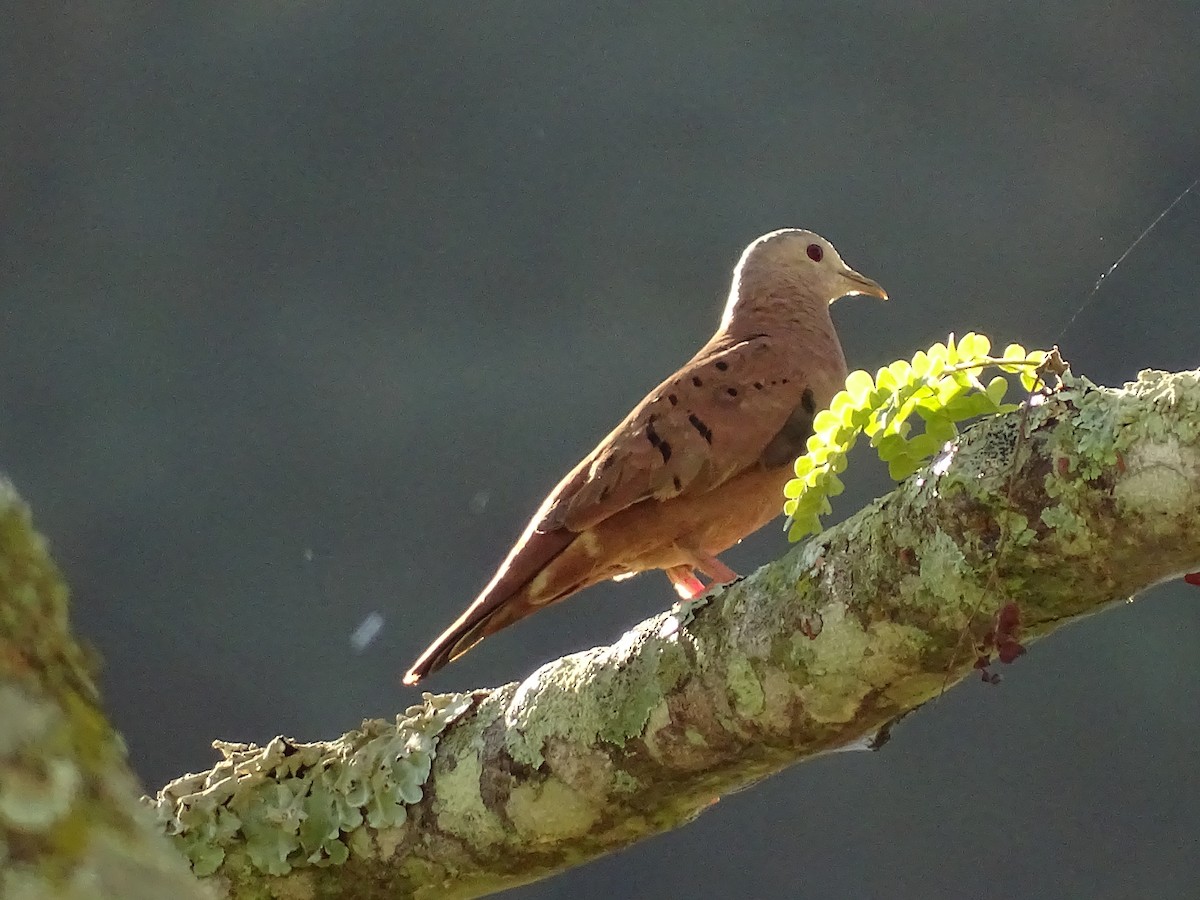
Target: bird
x,y
697,465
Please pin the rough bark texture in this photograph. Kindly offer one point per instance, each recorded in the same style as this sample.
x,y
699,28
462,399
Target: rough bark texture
x,y
70,824
1053,513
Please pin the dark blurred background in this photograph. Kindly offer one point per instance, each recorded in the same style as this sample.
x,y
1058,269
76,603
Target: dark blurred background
x,y
306,305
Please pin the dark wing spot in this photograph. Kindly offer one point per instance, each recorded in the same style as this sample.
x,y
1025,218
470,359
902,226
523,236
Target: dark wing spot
x,y
696,381
673,399
758,385
722,366
732,392
807,401
655,441
705,431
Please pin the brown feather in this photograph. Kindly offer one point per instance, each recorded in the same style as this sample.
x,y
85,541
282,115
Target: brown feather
x,y
492,610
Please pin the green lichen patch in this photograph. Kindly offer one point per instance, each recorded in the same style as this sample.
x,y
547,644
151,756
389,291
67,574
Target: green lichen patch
x,y
943,575
548,811
1160,475
460,806
37,797
744,686
60,763
1071,530
1091,431
1175,400
574,698
33,608
289,805
624,783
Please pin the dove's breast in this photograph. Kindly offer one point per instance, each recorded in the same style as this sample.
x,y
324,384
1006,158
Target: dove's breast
x,y
653,535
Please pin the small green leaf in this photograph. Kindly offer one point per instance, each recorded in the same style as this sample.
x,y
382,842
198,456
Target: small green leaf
x,y
996,389
826,422
890,446
924,446
949,388
952,354
901,467
858,385
806,525
938,356
861,418
920,364
969,406
941,428
902,372
966,346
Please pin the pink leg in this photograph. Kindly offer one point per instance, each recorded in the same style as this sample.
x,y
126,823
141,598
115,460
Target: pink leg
x,y
687,585
716,570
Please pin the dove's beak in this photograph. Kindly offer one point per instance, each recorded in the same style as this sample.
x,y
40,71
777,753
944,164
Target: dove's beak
x,y
861,284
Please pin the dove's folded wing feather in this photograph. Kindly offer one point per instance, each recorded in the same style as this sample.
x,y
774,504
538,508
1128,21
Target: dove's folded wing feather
x,y
676,439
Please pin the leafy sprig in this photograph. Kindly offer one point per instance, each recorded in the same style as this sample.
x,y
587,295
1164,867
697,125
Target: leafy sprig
x,y
941,386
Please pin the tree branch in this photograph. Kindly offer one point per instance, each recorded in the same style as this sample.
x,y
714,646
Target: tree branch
x,y
70,824
1042,516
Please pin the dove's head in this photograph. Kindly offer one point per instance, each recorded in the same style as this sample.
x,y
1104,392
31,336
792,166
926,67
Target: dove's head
x,y
796,268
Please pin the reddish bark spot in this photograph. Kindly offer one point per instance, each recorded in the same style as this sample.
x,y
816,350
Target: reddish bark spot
x,y
1063,465
1008,619
1009,651
1003,638
811,625
1120,463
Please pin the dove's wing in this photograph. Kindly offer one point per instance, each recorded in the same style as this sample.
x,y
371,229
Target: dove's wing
x,y
728,409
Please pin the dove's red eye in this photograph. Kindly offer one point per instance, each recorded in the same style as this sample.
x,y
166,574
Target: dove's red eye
x,y
815,252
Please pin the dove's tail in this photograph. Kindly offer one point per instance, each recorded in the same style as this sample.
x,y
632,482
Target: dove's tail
x,y
529,580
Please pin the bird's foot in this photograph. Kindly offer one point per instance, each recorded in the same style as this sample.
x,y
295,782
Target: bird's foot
x,y
687,585
716,570
1192,578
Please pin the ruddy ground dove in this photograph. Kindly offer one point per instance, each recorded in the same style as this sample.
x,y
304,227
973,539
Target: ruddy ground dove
x,y
700,463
